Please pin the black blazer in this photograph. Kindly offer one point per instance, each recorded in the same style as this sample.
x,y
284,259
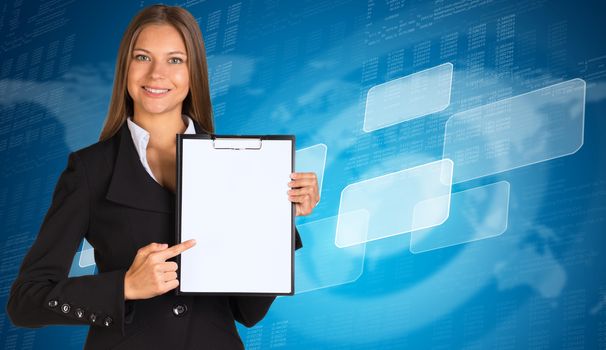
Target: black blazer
x,y
106,195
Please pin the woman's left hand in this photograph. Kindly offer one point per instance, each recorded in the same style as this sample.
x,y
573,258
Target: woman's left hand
x,y
303,192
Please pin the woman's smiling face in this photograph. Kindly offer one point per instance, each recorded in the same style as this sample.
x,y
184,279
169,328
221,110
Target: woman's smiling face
x,y
158,77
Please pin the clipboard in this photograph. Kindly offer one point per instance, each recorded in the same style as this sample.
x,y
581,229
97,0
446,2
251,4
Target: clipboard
x,y
232,198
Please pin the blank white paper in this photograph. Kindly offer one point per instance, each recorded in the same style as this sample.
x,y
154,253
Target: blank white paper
x,y
234,203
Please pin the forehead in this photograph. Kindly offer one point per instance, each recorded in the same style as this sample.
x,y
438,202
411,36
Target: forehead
x,y
161,38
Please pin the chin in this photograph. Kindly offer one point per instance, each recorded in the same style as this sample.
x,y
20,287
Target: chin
x,y
156,110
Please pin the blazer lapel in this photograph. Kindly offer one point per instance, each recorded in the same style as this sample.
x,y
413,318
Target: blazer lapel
x,y
131,185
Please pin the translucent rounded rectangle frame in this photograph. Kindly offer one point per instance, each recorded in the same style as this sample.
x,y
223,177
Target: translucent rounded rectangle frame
x,y
519,131
477,213
390,202
409,97
312,159
322,264
83,262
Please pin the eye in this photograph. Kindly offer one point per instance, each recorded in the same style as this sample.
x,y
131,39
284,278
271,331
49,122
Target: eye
x,y
141,58
175,60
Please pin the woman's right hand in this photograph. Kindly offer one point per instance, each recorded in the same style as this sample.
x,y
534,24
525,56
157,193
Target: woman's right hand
x,y
150,274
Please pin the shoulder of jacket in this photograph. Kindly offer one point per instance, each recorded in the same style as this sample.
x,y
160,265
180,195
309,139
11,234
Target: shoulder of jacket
x,y
98,153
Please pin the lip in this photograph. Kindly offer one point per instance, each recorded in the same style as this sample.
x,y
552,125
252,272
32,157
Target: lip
x,y
151,94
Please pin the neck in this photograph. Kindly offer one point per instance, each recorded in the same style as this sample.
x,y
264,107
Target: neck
x,y
161,127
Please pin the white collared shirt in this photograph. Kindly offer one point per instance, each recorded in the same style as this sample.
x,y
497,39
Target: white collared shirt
x,y
141,139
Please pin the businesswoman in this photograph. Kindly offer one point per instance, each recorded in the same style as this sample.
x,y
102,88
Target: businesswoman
x,y
119,194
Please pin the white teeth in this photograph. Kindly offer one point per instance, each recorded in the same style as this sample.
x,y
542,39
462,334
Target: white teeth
x,y
155,91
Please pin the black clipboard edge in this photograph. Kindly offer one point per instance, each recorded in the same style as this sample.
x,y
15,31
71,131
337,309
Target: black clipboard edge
x,y
180,138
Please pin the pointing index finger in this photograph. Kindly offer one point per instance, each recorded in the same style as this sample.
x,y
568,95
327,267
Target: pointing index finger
x,y
177,249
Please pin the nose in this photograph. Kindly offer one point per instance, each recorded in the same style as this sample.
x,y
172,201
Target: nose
x,y
158,70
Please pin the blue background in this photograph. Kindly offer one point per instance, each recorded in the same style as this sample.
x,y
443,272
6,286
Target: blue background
x,y
304,68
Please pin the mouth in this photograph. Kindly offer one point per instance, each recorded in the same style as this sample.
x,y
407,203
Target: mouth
x,y
155,91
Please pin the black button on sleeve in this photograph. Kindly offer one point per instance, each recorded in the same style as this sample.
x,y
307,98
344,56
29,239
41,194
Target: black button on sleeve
x,y
65,308
92,317
107,321
79,312
53,303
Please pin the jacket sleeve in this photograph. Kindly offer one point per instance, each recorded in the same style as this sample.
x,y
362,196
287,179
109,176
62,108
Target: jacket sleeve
x,y
249,310
43,294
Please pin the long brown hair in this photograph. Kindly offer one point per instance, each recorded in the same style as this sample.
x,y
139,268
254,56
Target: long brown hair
x,y
197,103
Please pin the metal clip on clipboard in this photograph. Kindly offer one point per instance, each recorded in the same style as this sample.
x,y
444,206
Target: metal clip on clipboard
x,y
237,143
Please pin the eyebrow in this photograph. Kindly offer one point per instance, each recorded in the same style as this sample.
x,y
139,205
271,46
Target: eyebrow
x,y
170,53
